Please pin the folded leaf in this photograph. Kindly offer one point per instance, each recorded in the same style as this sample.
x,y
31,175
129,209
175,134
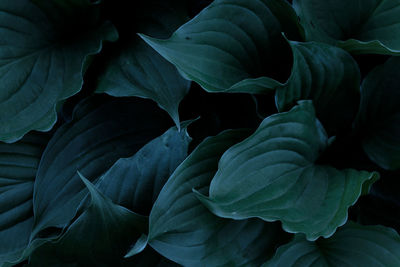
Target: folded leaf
x,y
135,182
360,27
103,130
41,63
330,77
135,69
273,175
233,45
351,245
184,231
18,166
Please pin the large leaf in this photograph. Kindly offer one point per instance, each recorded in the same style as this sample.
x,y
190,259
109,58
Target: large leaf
x,y
100,236
184,231
351,245
379,115
359,26
233,45
273,175
18,165
135,69
135,182
41,63
330,77
103,130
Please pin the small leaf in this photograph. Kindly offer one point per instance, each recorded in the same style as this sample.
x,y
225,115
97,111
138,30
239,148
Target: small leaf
x,y
379,116
233,45
360,27
103,130
135,182
184,231
351,245
139,246
273,175
41,63
18,166
135,69
327,75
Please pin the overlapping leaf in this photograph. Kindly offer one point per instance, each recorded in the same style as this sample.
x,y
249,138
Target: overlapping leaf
x,y
18,166
233,45
273,175
330,77
41,63
183,230
135,182
135,69
358,26
103,130
379,115
351,245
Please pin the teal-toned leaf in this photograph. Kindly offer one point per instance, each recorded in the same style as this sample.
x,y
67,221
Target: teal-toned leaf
x,y
135,69
139,246
100,236
41,63
104,129
359,26
330,77
378,120
233,45
273,175
135,182
18,166
184,231
351,245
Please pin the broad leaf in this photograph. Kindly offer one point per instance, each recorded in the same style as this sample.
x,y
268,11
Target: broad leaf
x,y
135,182
18,165
359,26
273,175
233,45
135,69
330,77
103,130
379,115
100,236
351,245
41,63
184,231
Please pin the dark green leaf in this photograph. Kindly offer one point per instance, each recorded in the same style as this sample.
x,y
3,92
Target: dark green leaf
x,y
18,165
351,245
233,45
135,69
135,182
359,26
330,77
379,115
184,231
103,130
41,63
273,175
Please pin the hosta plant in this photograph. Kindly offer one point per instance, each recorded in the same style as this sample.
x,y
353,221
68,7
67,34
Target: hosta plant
x,y
199,133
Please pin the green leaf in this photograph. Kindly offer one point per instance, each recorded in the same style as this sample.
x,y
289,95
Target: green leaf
x,y
135,182
378,119
273,175
233,45
135,69
18,166
330,77
359,26
104,129
41,63
184,231
100,236
351,245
